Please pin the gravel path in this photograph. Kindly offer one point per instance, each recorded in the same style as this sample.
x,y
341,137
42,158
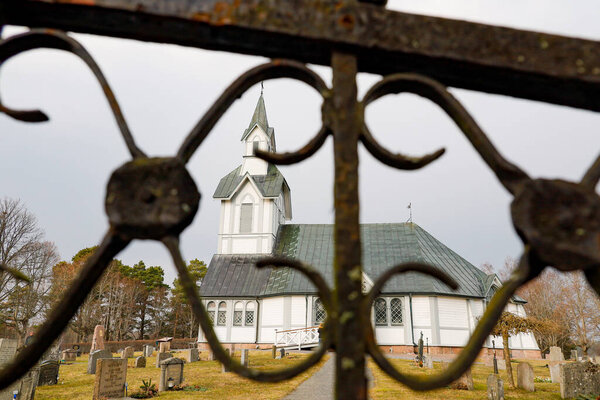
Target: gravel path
x,y
320,385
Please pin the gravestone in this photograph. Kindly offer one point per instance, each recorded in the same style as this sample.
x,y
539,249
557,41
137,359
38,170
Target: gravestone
x,y
94,357
98,339
111,374
69,355
244,359
161,357
171,373
191,355
8,348
28,384
556,358
211,355
579,378
127,352
501,364
525,377
140,362
574,355
164,347
495,387
148,351
427,362
224,367
48,373
281,353
465,382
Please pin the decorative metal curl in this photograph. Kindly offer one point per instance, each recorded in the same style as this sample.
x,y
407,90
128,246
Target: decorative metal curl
x,y
52,39
469,353
192,292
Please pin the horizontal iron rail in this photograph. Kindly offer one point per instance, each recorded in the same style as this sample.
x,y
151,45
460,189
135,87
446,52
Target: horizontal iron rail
x,y
461,54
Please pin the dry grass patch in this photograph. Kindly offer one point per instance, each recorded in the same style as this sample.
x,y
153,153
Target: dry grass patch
x,y
75,383
387,388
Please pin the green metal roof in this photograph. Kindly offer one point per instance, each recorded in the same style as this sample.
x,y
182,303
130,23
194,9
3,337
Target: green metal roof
x,y
270,185
384,245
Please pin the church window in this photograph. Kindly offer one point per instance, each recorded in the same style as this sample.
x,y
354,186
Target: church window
x,y
396,311
249,313
255,147
246,218
222,314
380,312
319,312
238,310
211,311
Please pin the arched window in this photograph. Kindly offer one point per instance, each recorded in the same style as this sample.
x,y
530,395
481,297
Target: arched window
x,y
380,312
249,313
396,311
319,313
210,307
238,310
246,218
222,315
255,146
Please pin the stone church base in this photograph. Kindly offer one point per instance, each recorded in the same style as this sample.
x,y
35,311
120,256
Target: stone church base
x,y
442,352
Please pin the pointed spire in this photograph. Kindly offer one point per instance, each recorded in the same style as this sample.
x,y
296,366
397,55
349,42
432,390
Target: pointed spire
x,y
260,115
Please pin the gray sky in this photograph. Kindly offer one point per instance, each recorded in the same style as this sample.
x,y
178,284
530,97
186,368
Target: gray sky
x,y
60,168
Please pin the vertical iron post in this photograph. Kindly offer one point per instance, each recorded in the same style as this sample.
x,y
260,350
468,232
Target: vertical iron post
x,y
350,336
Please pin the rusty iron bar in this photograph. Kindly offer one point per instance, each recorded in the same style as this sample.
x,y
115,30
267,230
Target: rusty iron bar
x,y
351,382
62,313
530,65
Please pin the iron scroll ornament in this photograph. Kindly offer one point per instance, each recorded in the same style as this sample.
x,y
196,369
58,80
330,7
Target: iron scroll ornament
x,y
137,210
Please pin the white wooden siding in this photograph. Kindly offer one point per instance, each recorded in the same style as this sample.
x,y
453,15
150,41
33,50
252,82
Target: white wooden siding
x,y
454,337
452,313
390,335
243,334
298,311
421,314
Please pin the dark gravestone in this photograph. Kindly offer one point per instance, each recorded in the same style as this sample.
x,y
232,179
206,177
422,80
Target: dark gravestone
x,y
225,367
191,355
579,379
48,373
140,362
465,382
94,357
161,357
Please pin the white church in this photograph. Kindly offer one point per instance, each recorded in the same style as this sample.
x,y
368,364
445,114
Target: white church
x,y
253,307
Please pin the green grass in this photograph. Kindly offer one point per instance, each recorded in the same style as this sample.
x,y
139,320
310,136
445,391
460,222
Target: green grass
x,y
387,388
75,383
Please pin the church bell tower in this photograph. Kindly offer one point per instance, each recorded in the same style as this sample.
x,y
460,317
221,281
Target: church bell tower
x,y
255,197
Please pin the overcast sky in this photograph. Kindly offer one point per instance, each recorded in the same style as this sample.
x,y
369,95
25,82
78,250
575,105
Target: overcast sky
x,y
59,169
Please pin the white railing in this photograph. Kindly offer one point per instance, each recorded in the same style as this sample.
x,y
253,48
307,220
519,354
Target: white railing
x,y
297,338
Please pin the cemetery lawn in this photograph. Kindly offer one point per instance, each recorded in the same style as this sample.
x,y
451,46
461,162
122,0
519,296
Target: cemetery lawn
x,y
75,383
385,388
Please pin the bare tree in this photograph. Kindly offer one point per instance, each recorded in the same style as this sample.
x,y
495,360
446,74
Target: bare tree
x,y
19,234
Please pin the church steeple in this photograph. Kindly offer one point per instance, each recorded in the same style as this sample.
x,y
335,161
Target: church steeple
x,y
258,136
260,115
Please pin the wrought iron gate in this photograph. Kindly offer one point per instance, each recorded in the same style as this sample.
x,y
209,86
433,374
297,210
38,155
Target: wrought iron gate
x,y
155,198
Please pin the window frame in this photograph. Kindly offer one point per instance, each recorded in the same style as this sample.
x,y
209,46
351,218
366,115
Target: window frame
x,y
252,305
250,207
238,312
399,300
224,311
211,308
379,300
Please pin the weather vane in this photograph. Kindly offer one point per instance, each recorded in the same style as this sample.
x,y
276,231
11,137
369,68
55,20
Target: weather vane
x,y
409,213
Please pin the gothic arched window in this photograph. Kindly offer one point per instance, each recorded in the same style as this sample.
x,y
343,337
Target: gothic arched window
x,y
246,218
396,311
249,313
319,313
380,312
222,314
238,310
210,307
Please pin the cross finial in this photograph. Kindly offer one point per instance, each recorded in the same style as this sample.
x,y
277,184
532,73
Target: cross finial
x,y
409,212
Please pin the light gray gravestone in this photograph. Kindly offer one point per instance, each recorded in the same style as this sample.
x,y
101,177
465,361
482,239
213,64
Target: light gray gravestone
x,y
48,373
465,382
495,387
501,364
244,359
579,378
171,373
148,351
224,367
28,384
8,348
94,357
556,358
127,352
525,377
111,374
161,357
574,355
164,347
98,339
140,362
191,355
69,355
427,362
